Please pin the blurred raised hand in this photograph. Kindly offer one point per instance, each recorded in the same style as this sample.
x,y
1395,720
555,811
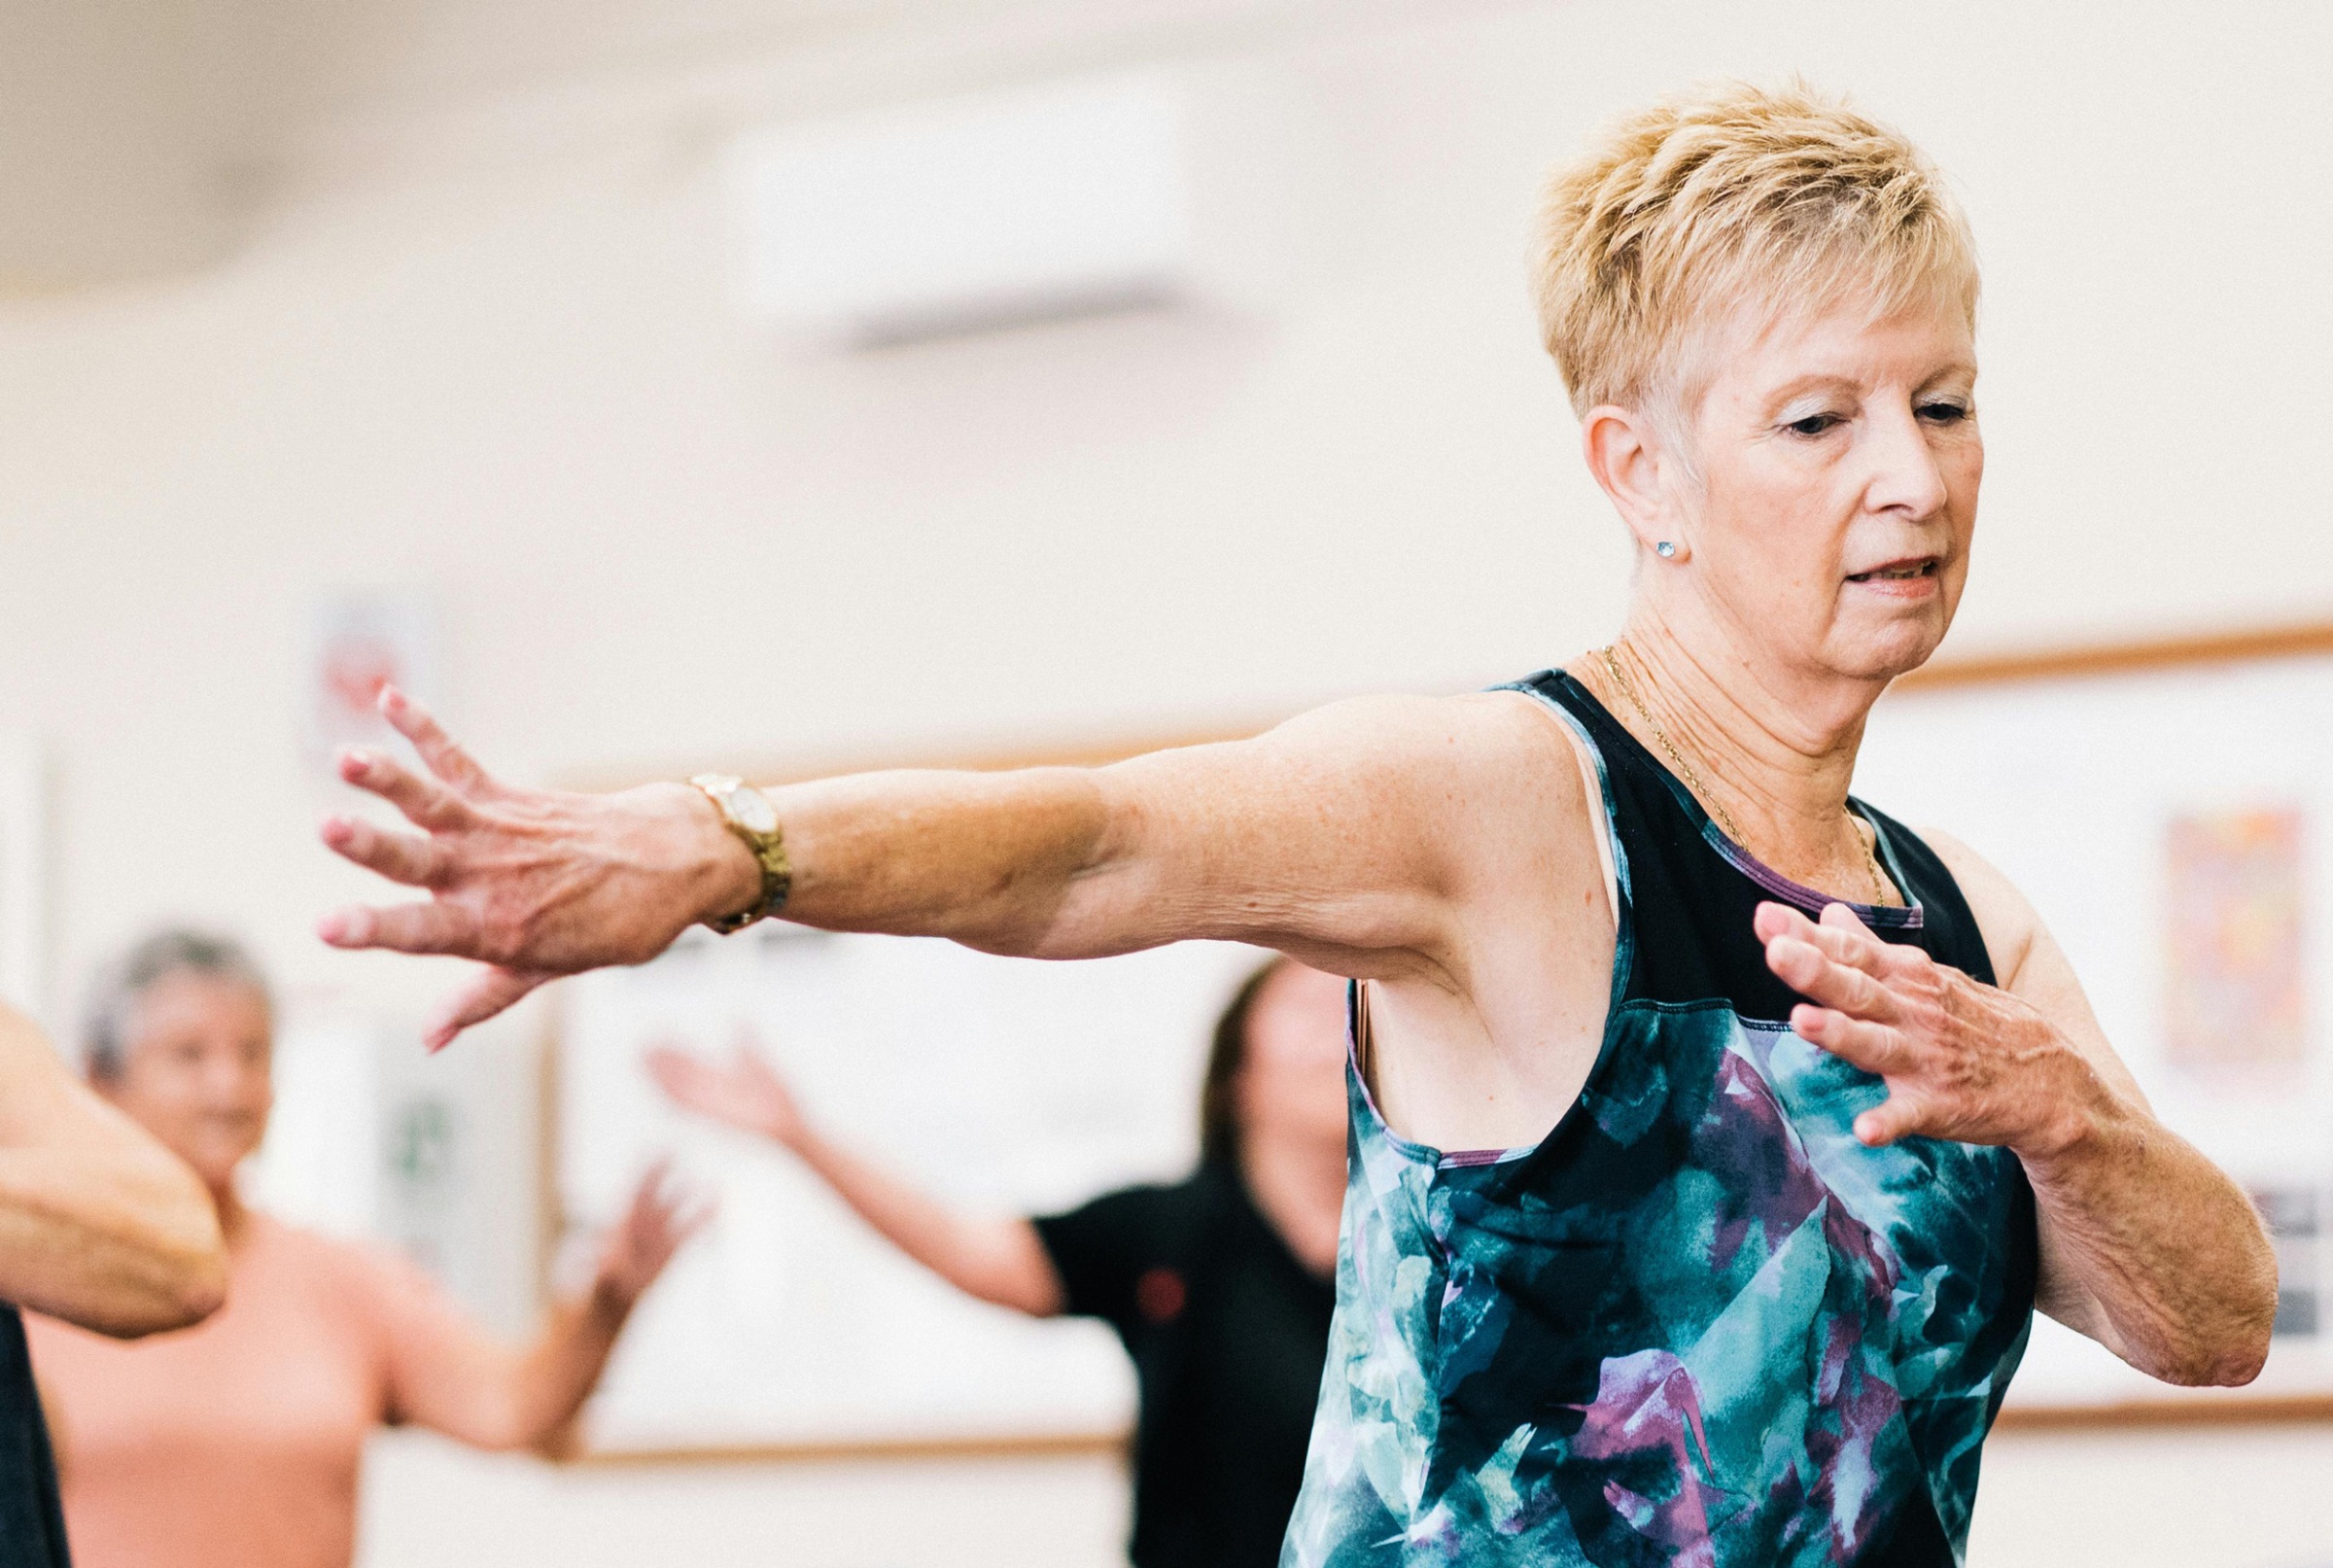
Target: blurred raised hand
x,y
534,884
996,1258
656,1224
743,1090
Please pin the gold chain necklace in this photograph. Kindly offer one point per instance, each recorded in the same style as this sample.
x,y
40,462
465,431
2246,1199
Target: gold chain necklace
x,y
1702,792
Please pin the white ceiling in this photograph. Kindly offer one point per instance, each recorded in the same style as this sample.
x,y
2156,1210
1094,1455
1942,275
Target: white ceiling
x,y
130,129
301,62
311,60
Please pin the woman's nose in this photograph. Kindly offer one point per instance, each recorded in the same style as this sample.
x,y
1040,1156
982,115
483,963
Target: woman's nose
x,y
228,1079
1904,474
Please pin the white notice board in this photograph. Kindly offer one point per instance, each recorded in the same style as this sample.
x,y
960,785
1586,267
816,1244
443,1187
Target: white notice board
x,y
1005,1084
2171,818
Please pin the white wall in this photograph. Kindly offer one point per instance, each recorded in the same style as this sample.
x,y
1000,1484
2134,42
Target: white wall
x,y
483,347
2234,1499
916,1514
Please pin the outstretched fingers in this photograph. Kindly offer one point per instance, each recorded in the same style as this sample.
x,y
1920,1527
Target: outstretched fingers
x,y
1876,1048
656,1192
425,801
661,1217
446,759
1840,935
679,1214
1857,944
695,1211
1820,977
1900,1115
687,1079
750,1065
431,928
482,998
400,856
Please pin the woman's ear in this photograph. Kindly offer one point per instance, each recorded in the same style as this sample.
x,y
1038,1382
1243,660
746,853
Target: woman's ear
x,y
1624,453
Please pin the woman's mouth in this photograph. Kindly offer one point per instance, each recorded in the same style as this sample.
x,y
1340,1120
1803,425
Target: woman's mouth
x,y
1898,571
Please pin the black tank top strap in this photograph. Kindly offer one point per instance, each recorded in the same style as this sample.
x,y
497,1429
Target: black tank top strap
x,y
1694,891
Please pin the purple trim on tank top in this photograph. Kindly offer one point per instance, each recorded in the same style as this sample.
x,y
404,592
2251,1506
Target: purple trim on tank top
x,y
1460,1159
1813,900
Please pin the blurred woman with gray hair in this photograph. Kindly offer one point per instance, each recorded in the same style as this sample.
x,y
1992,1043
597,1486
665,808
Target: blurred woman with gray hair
x,y
237,1444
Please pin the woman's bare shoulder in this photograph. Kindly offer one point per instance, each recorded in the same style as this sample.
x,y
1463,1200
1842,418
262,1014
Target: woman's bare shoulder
x,y
1516,784
1372,836
2004,917
1499,736
1474,768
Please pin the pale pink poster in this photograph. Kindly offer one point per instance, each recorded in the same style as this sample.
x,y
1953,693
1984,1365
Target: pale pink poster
x,y
2237,1001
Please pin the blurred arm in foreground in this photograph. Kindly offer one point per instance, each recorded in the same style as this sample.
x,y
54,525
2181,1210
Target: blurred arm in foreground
x,y
98,1223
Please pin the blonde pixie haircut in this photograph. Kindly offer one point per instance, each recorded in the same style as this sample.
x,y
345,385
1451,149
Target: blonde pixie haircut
x,y
1775,200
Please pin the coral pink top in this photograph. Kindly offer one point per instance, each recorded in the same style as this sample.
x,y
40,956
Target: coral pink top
x,y
236,1444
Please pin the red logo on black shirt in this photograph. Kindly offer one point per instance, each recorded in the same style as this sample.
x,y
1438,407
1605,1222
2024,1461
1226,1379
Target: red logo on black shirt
x,y
1160,1295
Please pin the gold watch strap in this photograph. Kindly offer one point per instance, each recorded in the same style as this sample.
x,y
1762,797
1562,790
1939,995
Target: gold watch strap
x,y
746,813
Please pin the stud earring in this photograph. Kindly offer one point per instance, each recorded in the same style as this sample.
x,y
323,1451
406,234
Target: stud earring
x,y
1665,550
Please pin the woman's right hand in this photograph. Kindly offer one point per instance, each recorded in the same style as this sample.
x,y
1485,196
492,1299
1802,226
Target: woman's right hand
x,y
532,883
745,1092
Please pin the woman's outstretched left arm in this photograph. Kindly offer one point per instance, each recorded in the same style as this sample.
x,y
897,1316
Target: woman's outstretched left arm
x,y
447,1376
2146,1246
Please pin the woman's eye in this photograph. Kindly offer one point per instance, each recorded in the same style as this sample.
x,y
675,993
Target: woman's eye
x,y
1944,413
1812,424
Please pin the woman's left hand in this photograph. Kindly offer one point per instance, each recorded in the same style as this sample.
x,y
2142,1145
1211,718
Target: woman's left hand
x,y
661,1217
1961,1059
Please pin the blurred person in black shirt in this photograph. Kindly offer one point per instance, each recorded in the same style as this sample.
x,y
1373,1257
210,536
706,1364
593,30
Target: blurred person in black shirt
x,y
1220,1285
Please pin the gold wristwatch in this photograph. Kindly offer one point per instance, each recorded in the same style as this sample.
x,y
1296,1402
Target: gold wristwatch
x,y
748,813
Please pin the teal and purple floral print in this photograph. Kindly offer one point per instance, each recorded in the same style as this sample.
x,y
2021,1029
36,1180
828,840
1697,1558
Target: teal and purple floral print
x,y
1700,1324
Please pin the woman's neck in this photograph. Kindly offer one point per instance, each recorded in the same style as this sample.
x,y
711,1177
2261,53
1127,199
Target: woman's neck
x,y
235,1220
1772,756
1298,1185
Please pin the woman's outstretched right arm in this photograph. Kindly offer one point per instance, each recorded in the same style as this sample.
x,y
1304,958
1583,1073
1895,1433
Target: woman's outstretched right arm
x,y
997,1257
1337,837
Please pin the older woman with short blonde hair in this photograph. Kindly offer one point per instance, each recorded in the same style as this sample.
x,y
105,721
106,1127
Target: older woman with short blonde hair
x,y
1714,1134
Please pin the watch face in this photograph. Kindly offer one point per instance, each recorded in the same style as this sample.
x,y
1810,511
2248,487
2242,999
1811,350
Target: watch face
x,y
752,809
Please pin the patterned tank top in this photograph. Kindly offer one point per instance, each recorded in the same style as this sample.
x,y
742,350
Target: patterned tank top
x,y
1698,1323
